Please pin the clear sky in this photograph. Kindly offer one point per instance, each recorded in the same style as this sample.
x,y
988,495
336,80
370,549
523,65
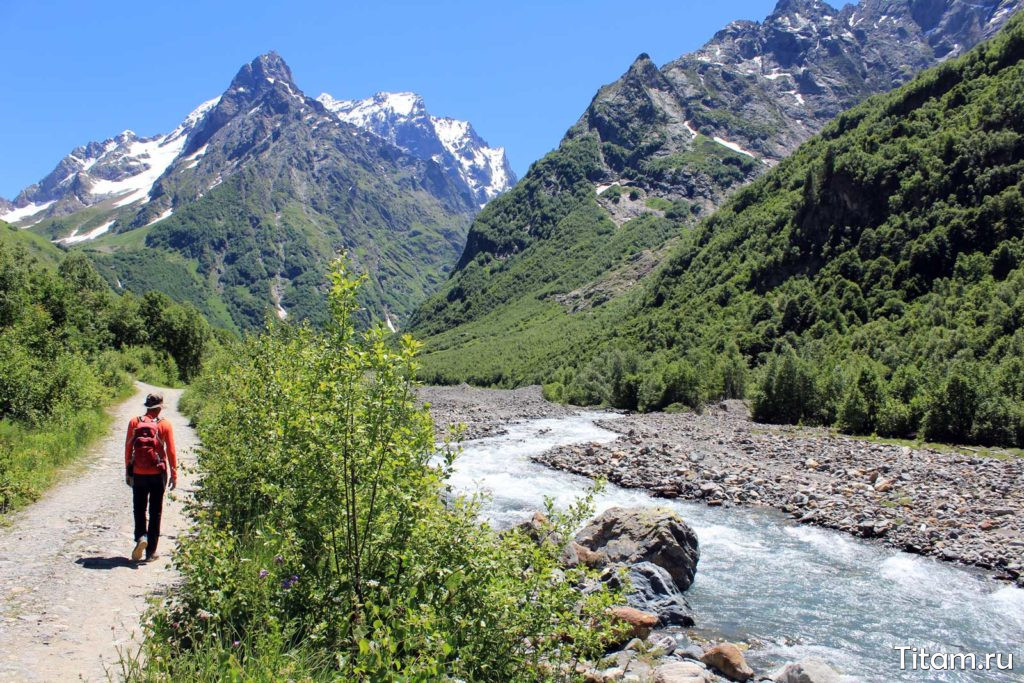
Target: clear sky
x,y
522,72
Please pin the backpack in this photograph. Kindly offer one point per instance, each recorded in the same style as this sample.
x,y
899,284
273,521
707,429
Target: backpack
x,y
146,446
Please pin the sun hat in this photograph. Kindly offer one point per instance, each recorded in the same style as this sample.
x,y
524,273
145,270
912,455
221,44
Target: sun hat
x,y
154,401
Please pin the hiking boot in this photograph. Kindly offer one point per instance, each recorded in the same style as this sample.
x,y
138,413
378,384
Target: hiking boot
x,y
140,547
152,558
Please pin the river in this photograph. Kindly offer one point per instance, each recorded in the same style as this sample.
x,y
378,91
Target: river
x,y
791,590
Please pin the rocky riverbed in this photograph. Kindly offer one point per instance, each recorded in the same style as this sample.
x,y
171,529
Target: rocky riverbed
x,y
486,412
954,505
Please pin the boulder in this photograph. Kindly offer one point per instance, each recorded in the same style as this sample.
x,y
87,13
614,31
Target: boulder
x,y
648,534
691,652
808,670
538,528
653,590
640,623
680,672
728,661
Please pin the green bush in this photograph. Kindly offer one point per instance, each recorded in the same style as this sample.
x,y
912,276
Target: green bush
x,y
343,555
895,419
951,409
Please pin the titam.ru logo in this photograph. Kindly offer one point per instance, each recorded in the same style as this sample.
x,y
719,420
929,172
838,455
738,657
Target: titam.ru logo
x,y
921,659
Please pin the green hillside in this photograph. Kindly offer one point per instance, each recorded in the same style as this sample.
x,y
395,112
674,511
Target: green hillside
x,y
36,246
873,280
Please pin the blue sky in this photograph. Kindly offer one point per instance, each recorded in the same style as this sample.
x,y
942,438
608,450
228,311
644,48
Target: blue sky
x,y
521,72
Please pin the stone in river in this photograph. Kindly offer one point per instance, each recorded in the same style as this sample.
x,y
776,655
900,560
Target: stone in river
x,y
808,670
729,661
646,534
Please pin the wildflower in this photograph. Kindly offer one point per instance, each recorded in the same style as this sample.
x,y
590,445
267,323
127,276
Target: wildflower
x,y
278,559
289,582
204,615
264,573
236,643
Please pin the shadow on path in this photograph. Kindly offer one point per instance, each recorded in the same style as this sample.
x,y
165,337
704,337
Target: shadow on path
x,y
106,562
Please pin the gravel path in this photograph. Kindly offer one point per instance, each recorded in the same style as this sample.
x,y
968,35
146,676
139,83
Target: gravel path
x,y
69,597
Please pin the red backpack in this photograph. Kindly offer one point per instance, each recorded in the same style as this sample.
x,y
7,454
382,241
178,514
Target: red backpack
x,y
147,451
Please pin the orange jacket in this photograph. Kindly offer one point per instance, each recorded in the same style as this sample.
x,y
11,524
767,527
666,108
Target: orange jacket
x,y
170,455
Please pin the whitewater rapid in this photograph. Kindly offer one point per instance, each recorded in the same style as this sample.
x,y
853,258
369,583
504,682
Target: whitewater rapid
x,y
792,591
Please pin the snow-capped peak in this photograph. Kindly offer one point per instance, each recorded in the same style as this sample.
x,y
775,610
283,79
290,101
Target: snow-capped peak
x,y
123,168
402,119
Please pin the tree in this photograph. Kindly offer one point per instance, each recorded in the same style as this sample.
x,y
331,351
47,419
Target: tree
x,y
786,393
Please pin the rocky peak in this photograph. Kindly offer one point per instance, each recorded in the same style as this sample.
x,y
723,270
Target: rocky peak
x,y
643,69
402,119
265,82
267,67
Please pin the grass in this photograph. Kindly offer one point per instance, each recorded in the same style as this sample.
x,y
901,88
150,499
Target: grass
x,y
32,460
37,246
659,203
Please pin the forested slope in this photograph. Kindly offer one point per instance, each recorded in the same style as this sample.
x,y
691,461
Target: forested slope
x,y
876,274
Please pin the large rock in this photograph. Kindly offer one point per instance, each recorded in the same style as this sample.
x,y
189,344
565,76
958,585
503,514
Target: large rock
x,y
649,534
680,672
728,661
808,670
653,590
640,623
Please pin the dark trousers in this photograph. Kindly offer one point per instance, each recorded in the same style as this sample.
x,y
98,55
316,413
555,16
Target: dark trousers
x,y
148,488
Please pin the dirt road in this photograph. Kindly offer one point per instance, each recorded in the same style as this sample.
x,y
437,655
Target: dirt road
x,y
69,597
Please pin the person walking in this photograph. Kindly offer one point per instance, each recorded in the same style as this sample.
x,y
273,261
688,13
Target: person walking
x,y
149,460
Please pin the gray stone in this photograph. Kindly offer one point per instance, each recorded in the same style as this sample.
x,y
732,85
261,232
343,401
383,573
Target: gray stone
x,y
808,670
691,652
634,535
653,590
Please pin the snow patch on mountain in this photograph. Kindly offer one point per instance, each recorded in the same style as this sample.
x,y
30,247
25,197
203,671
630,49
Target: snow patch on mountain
x,y
734,147
123,168
29,211
75,237
402,119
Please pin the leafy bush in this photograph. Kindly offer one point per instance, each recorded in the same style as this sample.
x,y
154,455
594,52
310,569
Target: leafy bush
x,y
328,545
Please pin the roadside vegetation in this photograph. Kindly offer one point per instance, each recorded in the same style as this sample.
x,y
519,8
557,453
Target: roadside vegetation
x,y
69,347
328,545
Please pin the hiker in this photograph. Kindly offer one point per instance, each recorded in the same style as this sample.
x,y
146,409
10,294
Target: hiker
x,y
149,458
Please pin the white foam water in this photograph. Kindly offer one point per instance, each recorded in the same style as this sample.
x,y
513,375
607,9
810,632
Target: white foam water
x,y
793,591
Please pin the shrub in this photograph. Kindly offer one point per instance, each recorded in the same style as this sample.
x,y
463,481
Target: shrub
x,y
951,409
895,419
344,555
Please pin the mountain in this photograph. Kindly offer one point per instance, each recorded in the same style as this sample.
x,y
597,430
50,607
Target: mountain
x,y
240,208
656,151
402,119
874,279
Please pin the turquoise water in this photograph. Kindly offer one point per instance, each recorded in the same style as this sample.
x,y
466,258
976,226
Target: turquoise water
x,y
794,591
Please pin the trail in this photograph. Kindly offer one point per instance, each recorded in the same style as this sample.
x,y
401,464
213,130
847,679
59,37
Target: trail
x,y
69,597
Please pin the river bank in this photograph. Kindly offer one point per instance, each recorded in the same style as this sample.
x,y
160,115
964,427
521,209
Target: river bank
x,y
958,507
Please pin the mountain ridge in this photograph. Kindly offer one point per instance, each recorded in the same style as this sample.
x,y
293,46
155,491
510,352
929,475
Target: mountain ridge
x,y
658,150
88,174
240,209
